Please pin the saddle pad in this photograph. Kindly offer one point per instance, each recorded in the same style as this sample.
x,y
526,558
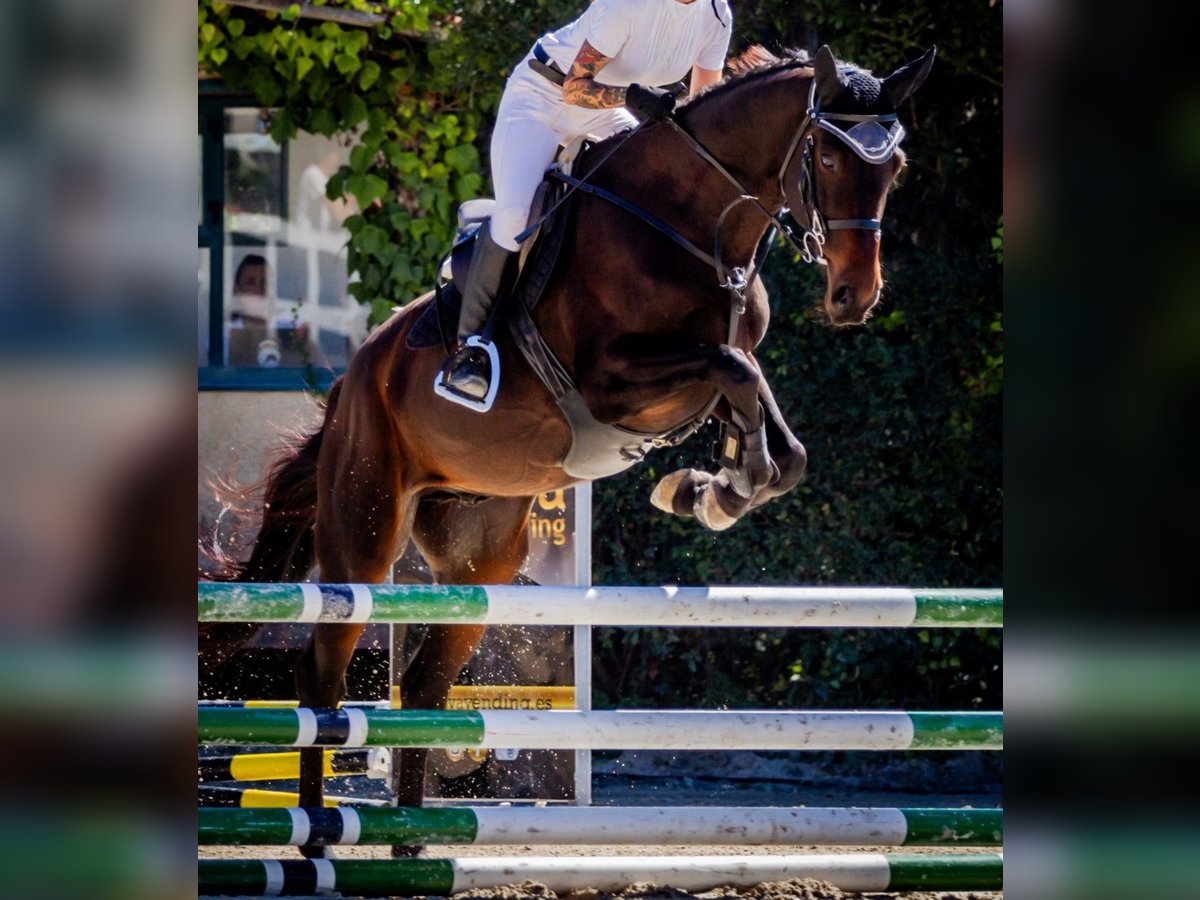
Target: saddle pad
x,y
436,324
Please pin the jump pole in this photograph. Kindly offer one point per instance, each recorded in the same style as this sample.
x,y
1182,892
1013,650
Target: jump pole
x,y
489,826
752,607
215,796
281,766
604,730
563,874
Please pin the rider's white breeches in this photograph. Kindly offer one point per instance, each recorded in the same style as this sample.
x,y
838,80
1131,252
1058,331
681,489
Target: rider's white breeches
x,y
532,122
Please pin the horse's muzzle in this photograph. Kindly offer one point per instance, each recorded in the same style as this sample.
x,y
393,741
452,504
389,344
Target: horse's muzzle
x,y
845,306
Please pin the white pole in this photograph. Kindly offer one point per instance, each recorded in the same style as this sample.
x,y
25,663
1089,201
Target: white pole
x,y
659,825
850,872
583,636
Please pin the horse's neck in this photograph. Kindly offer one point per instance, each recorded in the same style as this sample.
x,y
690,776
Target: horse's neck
x,y
750,126
748,129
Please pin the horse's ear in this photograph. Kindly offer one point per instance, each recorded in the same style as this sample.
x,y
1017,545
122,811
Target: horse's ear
x,y
900,85
830,82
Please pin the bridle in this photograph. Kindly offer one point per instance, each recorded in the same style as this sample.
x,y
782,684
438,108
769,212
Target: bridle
x,y
810,245
812,241
873,143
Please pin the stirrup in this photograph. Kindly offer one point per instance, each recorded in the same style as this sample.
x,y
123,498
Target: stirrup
x,y
445,390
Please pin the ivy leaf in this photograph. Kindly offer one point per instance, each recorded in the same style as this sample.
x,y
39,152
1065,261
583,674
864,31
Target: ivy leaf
x,y
291,13
325,51
283,126
264,85
236,27
366,189
347,64
371,240
463,158
360,159
335,187
381,309
303,66
243,47
467,187
219,55
323,121
370,74
353,109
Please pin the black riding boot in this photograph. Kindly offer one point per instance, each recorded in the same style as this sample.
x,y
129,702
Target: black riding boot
x,y
468,373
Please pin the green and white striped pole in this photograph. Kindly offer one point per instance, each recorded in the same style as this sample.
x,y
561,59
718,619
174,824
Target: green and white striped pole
x,y
603,729
791,607
486,825
563,874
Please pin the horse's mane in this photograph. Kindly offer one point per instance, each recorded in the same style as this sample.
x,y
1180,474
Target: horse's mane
x,y
756,62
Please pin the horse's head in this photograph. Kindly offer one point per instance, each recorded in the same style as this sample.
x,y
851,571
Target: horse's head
x,y
838,178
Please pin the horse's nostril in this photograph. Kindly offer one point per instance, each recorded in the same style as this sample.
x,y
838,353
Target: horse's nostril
x,y
841,297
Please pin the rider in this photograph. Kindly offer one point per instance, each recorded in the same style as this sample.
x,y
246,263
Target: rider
x,y
591,77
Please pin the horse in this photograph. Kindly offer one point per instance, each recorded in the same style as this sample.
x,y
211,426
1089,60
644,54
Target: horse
x,y
651,333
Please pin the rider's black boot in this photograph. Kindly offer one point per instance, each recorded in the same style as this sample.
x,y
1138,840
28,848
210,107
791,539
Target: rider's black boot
x,y
468,373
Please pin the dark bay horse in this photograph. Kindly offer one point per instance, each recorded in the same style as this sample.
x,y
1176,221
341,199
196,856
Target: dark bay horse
x,y
639,320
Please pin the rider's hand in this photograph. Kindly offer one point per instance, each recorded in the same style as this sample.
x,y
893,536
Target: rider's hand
x,y
649,104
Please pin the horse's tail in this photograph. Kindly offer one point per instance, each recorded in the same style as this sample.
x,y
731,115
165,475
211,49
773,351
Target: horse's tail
x,y
283,547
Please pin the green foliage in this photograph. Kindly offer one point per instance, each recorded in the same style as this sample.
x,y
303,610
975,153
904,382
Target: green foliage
x,y
381,89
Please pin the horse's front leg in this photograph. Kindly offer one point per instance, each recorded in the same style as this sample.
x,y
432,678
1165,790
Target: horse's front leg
x,y
717,501
712,497
787,453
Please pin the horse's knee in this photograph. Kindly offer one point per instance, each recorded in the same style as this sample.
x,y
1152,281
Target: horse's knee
x,y
792,466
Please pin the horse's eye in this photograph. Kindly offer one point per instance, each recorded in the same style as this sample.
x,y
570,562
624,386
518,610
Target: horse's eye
x,y
827,160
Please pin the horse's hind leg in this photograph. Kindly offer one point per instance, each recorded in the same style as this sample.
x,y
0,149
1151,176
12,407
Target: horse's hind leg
x,y
362,527
484,543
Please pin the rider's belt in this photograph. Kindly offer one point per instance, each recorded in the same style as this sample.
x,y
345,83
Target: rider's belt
x,y
545,66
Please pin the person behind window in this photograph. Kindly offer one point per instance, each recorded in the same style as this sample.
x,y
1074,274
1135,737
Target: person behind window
x,y
589,77
252,342
251,276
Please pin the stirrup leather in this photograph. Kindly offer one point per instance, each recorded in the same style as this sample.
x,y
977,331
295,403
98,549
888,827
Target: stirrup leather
x,y
444,389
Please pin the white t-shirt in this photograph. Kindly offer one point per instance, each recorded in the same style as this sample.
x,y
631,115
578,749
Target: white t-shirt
x,y
652,42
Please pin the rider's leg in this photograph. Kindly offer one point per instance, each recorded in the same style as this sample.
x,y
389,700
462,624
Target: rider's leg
x,y
469,370
523,146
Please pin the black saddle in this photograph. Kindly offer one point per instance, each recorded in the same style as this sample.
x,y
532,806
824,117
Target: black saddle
x,y
438,322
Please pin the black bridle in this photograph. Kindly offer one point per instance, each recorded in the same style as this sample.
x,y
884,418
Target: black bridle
x,y
812,242
809,245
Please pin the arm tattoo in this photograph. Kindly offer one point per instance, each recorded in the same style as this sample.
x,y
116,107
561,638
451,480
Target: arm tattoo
x,y
581,87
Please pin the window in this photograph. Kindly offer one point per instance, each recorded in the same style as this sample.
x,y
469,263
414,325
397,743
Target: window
x,y
274,310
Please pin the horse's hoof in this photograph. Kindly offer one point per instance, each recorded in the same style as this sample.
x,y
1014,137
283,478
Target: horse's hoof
x,y
317,851
709,513
672,495
408,851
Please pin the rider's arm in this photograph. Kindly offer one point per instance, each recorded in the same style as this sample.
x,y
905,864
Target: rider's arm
x,y
581,88
702,78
